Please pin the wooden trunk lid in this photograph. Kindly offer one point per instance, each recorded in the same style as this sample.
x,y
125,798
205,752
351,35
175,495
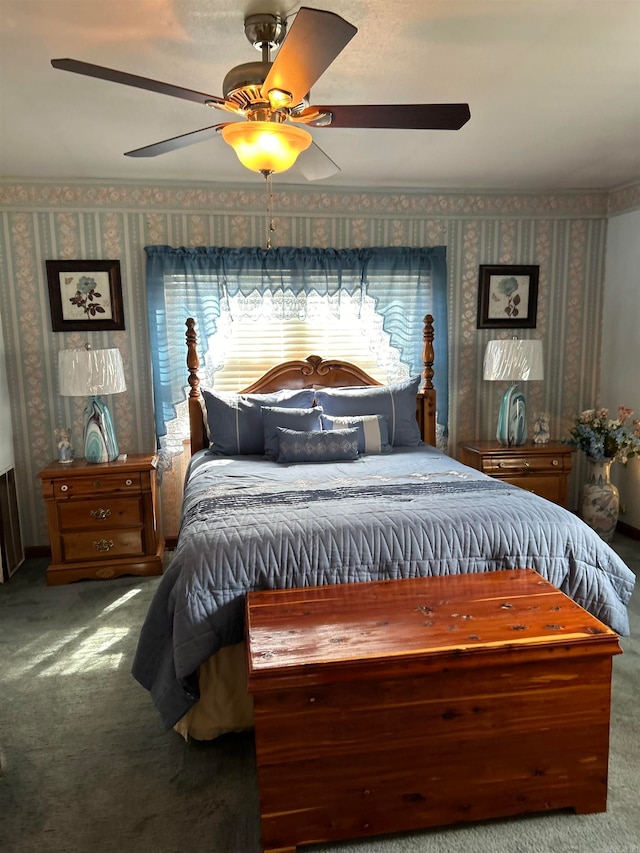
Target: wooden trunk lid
x,y
342,632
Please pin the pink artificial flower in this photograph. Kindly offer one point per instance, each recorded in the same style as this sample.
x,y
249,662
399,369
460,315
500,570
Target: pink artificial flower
x,y
624,413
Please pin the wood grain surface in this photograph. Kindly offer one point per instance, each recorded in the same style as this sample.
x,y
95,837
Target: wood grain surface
x,y
395,705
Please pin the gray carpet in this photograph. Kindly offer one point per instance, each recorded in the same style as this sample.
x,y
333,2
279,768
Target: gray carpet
x,y
87,769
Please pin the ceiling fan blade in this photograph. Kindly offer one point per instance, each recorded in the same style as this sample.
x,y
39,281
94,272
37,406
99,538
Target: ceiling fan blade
x,y
314,164
176,142
399,116
313,42
134,80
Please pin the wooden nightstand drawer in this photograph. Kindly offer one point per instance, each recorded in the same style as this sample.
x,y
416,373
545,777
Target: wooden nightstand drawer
x,y
73,487
96,514
96,545
523,464
550,488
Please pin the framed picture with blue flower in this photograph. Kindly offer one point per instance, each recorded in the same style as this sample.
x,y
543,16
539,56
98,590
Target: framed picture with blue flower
x,y
508,296
85,296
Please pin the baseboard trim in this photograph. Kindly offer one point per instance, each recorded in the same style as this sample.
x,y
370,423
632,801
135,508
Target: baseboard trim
x,y
628,530
37,552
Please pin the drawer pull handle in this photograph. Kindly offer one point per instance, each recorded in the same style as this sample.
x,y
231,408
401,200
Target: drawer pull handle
x,y
103,544
527,464
100,514
64,488
554,462
96,484
128,482
501,465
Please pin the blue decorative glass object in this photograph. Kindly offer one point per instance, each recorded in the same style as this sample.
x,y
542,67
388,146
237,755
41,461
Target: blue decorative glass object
x,y
512,418
100,443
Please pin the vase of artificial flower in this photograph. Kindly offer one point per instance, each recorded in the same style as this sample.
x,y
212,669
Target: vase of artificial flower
x,y
600,499
604,440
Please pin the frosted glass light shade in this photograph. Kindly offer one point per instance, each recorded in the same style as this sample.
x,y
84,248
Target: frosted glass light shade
x,y
265,146
513,360
90,372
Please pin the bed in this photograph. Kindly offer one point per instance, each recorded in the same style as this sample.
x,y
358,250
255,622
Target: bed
x,y
319,474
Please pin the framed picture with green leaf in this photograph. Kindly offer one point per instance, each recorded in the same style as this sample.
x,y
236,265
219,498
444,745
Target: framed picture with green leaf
x,y
508,296
85,296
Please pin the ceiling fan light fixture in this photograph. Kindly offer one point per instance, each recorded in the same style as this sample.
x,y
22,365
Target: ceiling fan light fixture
x,y
265,146
279,98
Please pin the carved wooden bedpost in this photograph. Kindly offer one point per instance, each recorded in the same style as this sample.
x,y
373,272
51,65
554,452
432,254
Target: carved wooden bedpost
x,y
196,422
427,416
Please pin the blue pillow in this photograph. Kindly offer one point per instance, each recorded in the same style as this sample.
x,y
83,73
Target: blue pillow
x,y
304,420
396,402
338,445
235,420
373,435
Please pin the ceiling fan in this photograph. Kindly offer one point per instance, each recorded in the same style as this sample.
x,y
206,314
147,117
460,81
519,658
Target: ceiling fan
x,y
269,100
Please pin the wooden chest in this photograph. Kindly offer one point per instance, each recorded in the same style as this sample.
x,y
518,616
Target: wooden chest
x,y
396,705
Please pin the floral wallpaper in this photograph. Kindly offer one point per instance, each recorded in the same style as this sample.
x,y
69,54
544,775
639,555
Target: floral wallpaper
x,y
564,233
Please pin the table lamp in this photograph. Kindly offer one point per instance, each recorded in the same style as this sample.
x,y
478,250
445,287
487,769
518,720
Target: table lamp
x,y
89,373
515,361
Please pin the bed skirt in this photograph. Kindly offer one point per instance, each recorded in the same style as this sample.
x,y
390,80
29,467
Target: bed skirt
x,y
225,704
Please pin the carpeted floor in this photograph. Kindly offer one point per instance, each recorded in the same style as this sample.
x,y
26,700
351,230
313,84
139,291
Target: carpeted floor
x,y
87,768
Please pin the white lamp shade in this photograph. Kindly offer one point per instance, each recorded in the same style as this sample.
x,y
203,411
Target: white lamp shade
x,y
90,372
513,360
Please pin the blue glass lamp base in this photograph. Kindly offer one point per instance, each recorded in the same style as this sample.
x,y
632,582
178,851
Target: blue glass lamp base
x,y
100,443
512,419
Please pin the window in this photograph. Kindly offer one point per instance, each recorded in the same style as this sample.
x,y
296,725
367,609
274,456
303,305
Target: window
x,y
255,308
248,343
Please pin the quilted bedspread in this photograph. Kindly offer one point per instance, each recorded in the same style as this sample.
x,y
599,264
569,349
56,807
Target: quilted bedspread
x,y
249,523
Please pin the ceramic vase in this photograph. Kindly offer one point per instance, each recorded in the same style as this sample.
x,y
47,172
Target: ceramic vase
x,y
100,442
512,417
600,499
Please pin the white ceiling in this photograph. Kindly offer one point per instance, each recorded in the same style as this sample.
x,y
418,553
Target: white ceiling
x,y
553,87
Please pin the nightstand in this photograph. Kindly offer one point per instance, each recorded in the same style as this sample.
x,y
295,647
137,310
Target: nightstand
x,y
540,468
102,519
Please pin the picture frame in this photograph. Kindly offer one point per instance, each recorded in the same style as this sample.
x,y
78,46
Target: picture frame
x,y
85,296
508,296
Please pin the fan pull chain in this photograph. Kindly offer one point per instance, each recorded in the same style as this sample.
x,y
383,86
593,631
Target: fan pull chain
x,y
270,227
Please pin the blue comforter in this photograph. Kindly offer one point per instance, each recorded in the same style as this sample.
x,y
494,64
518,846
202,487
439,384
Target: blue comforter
x,y
249,523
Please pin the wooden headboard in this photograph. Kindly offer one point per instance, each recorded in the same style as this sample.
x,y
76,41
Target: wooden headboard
x,y
313,371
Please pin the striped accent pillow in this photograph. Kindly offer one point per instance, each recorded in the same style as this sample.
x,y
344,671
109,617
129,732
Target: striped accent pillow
x,y
373,433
